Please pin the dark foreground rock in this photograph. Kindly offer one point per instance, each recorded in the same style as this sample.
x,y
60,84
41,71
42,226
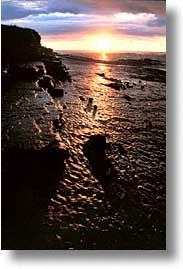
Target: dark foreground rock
x,y
29,178
21,46
102,167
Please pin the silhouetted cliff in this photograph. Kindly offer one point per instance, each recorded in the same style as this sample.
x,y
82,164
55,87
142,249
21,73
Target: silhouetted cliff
x,y
20,45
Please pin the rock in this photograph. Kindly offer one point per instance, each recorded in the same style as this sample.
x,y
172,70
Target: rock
x,y
47,78
28,182
55,68
38,89
127,97
35,167
101,74
64,106
59,122
82,98
56,92
47,82
115,85
56,123
101,166
90,100
24,72
96,143
19,45
60,115
41,71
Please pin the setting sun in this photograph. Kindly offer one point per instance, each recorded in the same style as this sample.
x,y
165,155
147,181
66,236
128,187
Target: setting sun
x,y
103,44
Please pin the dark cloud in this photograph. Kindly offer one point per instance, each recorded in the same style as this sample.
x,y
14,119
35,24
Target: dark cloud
x,y
131,6
70,17
159,22
145,32
12,9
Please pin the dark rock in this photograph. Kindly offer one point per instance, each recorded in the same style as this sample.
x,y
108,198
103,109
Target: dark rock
x,y
19,45
127,97
38,89
101,74
59,122
56,123
41,70
56,69
47,82
116,85
64,106
82,98
56,92
96,143
94,150
29,178
90,100
23,72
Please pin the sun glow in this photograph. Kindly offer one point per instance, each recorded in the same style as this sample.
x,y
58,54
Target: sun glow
x,y
103,44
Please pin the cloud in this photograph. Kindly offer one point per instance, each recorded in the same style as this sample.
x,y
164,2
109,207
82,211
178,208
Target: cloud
x,y
70,17
141,24
160,22
12,9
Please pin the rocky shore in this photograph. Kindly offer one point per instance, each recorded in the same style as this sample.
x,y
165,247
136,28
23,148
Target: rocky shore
x,y
32,153
83,163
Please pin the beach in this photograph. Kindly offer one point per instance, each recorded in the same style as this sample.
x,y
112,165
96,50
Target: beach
x,y
79,211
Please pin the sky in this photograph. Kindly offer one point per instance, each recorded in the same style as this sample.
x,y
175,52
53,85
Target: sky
x,y
98,25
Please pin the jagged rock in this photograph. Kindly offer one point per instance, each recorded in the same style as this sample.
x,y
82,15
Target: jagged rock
x,y
23,72
47,82
25,46
56,69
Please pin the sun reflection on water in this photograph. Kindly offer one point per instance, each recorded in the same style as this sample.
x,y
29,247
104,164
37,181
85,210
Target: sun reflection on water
x,y
101,94
103,56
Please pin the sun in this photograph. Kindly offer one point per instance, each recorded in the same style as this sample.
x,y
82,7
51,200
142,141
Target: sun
x,y
103,44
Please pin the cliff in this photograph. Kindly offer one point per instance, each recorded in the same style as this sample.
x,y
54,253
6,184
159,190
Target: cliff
x,y
20,45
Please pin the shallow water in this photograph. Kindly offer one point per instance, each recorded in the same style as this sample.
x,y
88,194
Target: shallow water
x,y
80,214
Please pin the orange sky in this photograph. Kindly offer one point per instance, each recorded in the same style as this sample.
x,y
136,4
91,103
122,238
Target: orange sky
x,y
107,42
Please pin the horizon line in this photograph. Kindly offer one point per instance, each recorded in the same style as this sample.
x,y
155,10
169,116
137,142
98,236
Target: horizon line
x,y
108,52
